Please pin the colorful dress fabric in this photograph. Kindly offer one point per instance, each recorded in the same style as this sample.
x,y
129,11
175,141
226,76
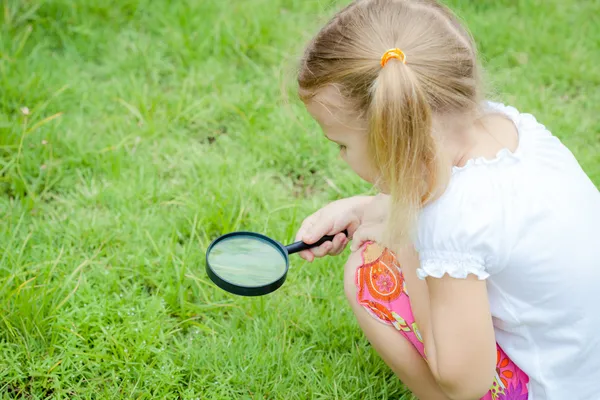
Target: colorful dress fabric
x,y
381,291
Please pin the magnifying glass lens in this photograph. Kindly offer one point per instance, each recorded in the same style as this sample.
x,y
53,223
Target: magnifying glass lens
x,y
247,261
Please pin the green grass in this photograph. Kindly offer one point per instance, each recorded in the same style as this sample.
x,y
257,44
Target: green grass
x,y
155,126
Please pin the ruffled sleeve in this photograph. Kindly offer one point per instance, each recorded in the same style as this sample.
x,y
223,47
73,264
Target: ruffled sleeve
x,y
456,264
466,231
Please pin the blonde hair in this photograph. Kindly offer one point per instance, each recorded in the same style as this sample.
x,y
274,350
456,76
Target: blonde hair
x,y
440,77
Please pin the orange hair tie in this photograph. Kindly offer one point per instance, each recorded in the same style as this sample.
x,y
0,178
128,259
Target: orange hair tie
x,y
393,53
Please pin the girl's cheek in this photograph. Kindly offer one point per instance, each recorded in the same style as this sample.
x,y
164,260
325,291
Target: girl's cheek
x,y
362,170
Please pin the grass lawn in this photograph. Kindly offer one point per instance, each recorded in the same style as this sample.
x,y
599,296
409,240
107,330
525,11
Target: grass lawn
x,y
133,132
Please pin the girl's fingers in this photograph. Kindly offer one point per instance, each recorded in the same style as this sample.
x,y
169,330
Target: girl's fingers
x,y
338,244
362,235
331,248
337,250
321,227
328,248
322,250
305,227
307,255
318,225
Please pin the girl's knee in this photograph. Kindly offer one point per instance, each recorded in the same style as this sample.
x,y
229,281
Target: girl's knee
x,y
368,252
354,262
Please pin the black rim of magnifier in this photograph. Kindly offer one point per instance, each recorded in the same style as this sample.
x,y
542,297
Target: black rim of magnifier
x,y
270,287
248,290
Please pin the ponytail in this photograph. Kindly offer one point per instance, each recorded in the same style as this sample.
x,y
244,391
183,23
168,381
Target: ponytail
x,y
402,146
432,73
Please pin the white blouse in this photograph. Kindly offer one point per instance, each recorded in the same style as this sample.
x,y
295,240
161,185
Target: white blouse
x,y
527,222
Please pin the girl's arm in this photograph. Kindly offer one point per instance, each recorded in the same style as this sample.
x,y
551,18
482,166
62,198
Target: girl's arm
x,y
459,339
453,315
455,322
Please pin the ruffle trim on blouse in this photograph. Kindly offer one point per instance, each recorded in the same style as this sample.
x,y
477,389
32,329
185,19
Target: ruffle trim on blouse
x,y
456,265
504,155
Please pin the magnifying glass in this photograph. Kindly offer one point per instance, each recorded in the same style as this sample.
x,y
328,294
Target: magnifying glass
x,y
252,264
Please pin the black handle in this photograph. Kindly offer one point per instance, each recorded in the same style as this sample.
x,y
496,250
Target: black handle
x,y
300,246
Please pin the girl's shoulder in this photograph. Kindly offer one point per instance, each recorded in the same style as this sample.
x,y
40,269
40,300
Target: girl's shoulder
x,y
488,202
531,134
539,161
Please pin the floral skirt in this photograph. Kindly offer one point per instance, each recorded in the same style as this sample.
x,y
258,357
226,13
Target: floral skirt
x,y
381,291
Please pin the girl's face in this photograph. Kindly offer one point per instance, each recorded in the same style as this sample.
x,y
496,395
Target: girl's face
x,y
348,131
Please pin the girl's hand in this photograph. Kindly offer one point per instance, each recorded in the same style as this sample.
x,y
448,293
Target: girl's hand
x,y
373,222
332,220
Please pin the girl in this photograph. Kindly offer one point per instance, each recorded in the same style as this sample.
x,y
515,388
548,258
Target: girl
x,y
484,219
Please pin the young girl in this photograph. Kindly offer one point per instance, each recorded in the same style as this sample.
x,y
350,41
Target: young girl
x,y
474,274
